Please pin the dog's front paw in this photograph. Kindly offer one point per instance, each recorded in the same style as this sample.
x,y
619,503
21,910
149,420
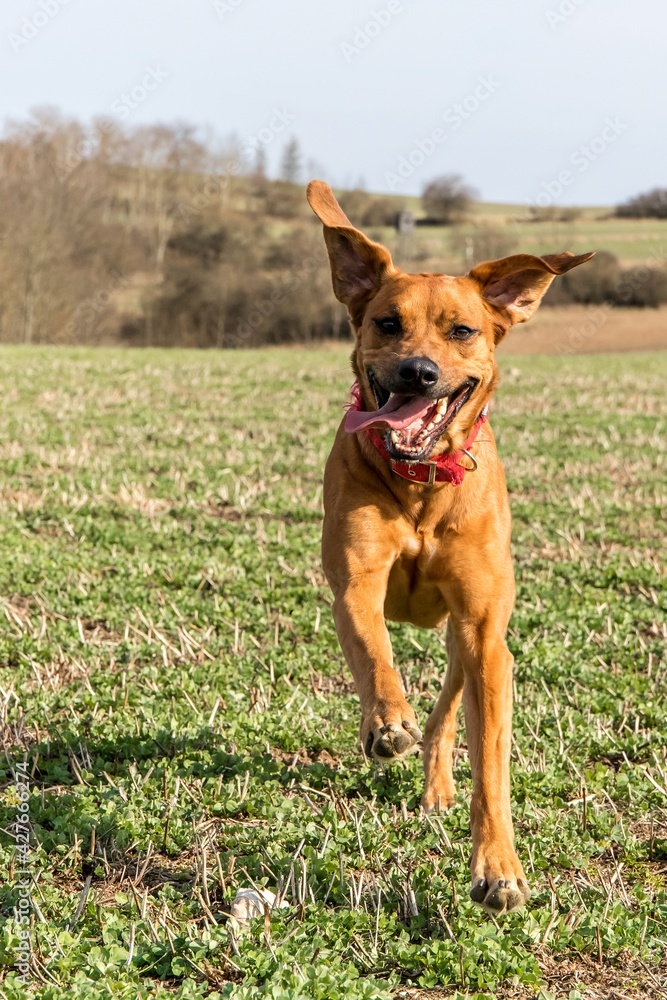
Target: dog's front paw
x,y
389,736
499,884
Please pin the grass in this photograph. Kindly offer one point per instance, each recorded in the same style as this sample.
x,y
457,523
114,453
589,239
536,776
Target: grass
x,y
170,672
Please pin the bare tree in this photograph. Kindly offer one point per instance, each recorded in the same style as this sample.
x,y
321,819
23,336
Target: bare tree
x,y
260,164
290,168
447,199
50,253
154,234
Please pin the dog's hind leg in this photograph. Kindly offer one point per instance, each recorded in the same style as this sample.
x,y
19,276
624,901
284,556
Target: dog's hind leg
x,y
440,733
498,880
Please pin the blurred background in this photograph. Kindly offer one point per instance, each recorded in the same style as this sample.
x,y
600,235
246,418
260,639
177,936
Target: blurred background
x,y
153,159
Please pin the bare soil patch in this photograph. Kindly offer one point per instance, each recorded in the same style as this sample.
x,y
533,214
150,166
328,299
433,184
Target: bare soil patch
x,y
589,330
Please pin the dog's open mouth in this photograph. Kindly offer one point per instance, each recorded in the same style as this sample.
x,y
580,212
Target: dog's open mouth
x,y
413,423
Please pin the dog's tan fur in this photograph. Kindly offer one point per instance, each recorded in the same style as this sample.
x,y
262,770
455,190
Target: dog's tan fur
x,y
409,552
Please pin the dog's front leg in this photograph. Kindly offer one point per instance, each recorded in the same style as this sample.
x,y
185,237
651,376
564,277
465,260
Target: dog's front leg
x,y
498,880
389,728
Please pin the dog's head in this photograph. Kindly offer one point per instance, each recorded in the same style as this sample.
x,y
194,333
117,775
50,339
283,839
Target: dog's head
x,y
425,343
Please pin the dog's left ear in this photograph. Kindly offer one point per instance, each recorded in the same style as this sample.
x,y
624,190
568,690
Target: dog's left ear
x,y
515,285
358,265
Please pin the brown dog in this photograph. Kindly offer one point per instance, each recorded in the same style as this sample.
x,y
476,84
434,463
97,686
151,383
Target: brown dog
x,y
410,535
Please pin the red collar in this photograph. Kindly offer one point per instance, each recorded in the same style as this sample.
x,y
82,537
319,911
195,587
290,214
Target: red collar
x,y
443,469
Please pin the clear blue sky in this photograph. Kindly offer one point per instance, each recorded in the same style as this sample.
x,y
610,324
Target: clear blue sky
x,y
517,91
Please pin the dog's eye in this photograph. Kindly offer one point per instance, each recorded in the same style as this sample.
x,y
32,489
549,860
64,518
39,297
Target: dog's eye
x,y
463,332
388,324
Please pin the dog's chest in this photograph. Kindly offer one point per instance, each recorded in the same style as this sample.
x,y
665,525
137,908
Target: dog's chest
x,y
413,594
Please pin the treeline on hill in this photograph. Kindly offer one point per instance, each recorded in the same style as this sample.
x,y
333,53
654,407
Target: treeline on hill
x,y
151,236
650,205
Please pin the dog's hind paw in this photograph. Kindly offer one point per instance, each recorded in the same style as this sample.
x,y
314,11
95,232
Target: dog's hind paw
x,y
437,801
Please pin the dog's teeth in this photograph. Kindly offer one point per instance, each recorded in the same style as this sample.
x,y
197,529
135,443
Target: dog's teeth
x,y
442,404
394,437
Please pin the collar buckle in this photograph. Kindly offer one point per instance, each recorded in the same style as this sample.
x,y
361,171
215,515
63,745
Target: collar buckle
x,y
411,474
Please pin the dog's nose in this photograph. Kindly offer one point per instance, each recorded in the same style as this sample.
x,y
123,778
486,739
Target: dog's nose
x,y
418,372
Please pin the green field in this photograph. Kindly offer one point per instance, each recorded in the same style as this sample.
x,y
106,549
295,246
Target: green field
x,y
170,672
635,242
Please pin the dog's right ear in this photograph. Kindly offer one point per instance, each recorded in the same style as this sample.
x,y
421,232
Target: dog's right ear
x,y
358,265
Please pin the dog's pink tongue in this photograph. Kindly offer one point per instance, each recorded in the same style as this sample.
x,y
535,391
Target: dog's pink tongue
x,y
399,412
